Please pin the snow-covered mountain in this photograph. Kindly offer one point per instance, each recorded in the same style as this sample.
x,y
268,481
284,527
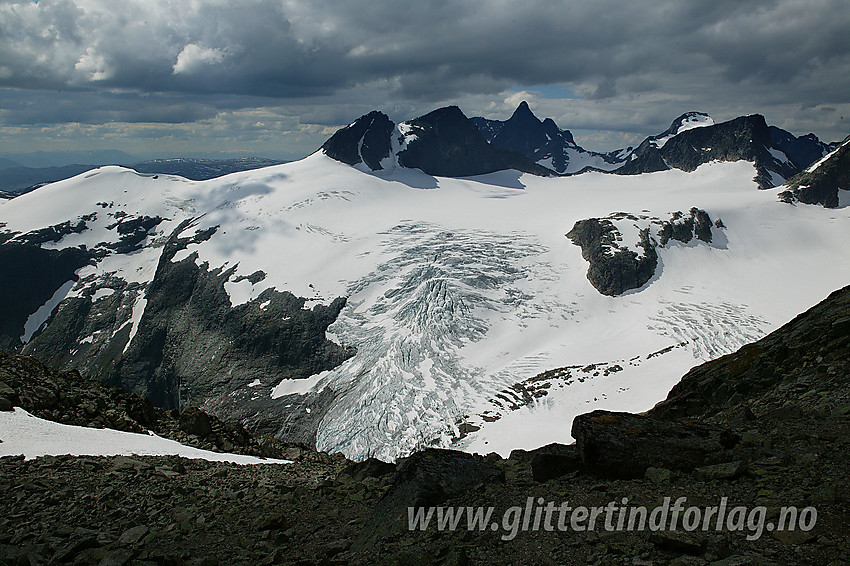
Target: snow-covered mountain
x,y
16,180
374,310
694,139
687,121
778,154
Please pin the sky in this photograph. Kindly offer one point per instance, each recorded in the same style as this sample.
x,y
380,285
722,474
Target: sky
x,y
275,78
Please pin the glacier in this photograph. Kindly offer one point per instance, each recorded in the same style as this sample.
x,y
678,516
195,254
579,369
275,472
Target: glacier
x,y
473,323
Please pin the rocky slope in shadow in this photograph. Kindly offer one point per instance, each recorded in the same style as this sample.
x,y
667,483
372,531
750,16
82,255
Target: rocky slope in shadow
x,y
765,427
443,142
190,347
66,397
778,155
821,183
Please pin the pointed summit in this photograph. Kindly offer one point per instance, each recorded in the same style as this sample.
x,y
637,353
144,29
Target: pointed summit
x,y
542,141
366,140
449,144
523,113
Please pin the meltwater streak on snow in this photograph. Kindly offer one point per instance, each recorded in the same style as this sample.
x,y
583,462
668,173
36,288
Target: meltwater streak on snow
x,y
22,433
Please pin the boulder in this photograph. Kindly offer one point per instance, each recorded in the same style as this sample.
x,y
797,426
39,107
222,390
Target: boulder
x,y
553,461
369,468
426,479
624,445
195,421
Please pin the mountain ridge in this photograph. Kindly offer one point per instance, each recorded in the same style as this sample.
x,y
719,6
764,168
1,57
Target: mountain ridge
x,y
443,142
377,312
692,139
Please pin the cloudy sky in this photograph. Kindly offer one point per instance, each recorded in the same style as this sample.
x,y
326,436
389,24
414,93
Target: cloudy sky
x,y
276,77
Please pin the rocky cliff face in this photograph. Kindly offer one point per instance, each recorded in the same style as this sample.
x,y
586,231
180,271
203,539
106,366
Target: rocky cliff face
x,y
443,142
802,151
543,142
367,141
190,346
617,266
745,138
821,183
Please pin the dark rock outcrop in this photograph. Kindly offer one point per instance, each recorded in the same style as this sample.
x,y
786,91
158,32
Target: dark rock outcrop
x,y
615,268
367,140
554,461
821,185
67,398
803,150
432,476
744,138
612,270
448,144
684,228
624,445
425,479
646,158
32,275
368,468
133,232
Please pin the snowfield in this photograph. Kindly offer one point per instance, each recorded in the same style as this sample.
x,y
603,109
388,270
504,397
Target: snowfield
x,y
461,291
23,434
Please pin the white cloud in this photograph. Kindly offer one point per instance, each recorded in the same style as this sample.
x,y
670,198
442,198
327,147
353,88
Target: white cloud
x,y
513,99
195,57
93,66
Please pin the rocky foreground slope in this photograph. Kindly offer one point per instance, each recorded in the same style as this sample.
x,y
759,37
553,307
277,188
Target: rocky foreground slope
x,y
765,426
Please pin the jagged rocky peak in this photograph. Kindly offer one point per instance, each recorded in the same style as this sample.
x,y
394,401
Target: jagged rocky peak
x,y
449,144
803,150
443,142
367,140
543,142
822,182
524,132
744,138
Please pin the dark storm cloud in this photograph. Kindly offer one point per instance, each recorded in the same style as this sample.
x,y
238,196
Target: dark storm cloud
x,y
26,107
383,51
